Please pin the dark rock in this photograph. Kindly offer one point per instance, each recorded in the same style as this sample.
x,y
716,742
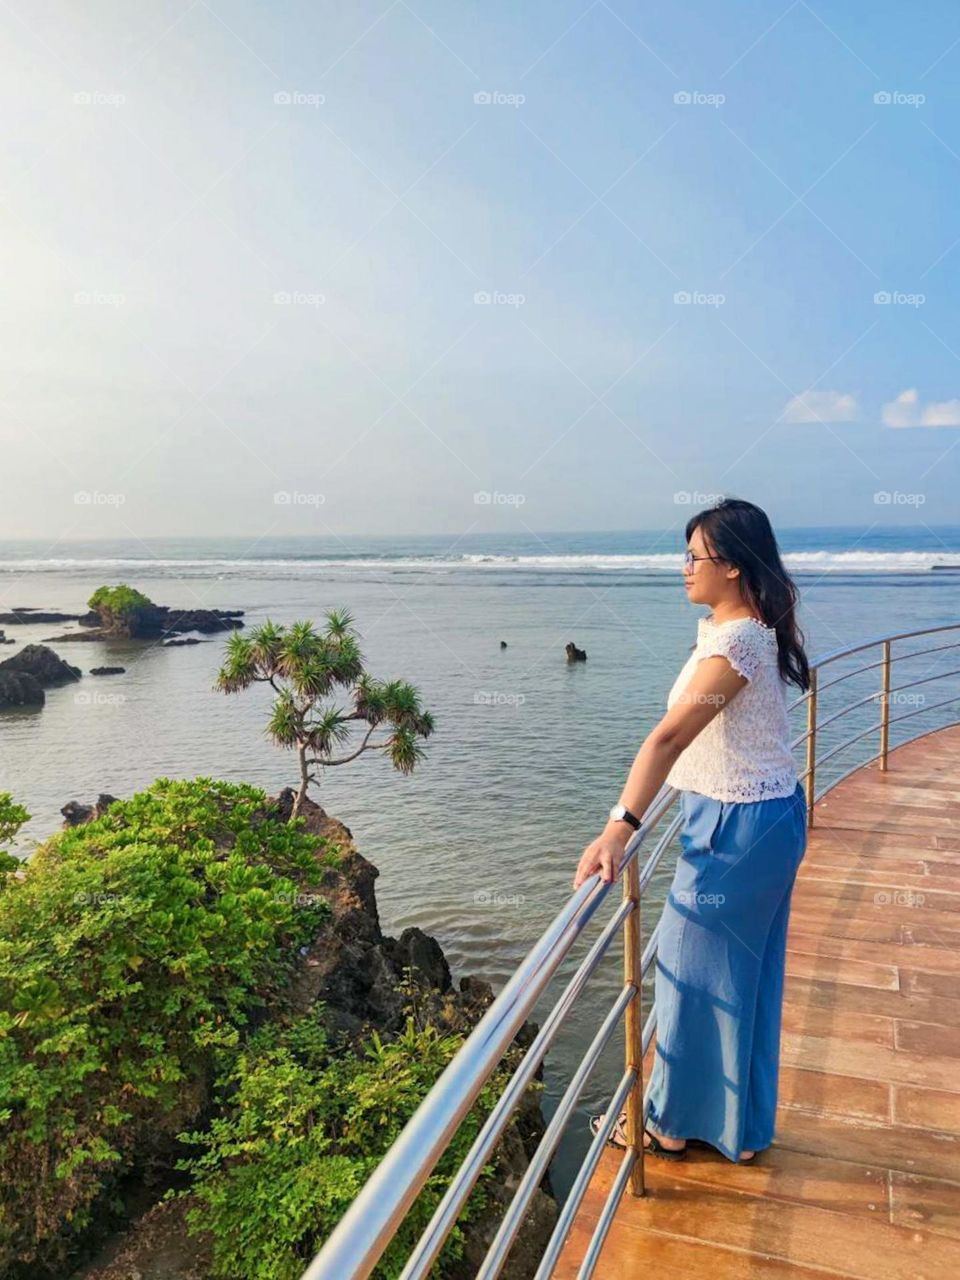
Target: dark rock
x,y
174,644
4,640
42,663
76,814
18,689
19,617
503,644
107,671
574,654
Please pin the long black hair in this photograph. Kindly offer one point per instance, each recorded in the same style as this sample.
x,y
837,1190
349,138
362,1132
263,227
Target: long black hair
x,y
740,534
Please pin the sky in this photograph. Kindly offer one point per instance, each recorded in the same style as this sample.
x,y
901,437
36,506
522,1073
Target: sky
x,y
439,267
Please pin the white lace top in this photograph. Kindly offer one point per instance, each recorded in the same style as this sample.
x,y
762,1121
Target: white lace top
x,y
743,754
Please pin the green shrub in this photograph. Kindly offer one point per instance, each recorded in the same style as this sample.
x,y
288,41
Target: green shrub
x,y
12,818
301,1129
132,953
118,602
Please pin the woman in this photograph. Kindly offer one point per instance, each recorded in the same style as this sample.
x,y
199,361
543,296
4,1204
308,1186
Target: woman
x,y
724,744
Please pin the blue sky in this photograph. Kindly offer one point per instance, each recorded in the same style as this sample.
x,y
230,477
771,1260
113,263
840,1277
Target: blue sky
x,y
247,253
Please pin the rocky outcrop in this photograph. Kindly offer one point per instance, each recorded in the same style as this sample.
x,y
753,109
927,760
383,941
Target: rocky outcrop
x,y
357,972
17,689
45,666
107,671
155,620
74,813
4,640
20,617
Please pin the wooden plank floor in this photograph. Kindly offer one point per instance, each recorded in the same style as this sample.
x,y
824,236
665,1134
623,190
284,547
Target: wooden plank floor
x,y
863,1178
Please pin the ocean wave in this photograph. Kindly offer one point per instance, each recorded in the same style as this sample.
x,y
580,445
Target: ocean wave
x,y
799,562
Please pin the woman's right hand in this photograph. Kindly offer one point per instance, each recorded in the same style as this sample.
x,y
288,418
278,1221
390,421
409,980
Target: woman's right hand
x,y
604,855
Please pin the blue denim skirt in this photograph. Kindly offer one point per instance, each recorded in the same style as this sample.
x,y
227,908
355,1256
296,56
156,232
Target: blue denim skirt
x,y
721,951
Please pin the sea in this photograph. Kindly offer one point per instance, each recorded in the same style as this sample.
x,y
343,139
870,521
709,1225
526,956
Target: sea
x,y
479,844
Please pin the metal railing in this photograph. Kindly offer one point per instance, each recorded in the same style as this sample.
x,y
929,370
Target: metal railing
x,y
360,1238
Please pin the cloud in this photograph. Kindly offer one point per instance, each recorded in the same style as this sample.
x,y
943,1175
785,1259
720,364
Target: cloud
x,y
821,406
907,411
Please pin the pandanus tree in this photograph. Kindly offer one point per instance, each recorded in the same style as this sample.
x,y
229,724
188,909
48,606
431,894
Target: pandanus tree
x,y
310,671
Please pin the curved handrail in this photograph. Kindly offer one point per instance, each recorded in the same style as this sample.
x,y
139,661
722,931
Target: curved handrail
x,y
368,1226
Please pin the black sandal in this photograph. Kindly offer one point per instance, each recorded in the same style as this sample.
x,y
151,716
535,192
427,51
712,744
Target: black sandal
x,y
618,1138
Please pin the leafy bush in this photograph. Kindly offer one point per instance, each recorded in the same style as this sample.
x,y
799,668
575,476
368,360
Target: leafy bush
x,y
132,952
12,818
118,602
300,1131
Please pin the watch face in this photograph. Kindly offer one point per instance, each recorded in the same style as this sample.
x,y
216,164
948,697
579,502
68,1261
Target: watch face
x,y
617,812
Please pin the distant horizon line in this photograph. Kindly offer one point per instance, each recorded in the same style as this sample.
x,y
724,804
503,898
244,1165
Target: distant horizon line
x,y
488,533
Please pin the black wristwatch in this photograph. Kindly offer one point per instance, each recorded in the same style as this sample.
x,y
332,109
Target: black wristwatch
x,y
620,813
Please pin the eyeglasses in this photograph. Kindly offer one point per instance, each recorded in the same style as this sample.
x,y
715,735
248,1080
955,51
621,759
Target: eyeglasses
x,y
690,560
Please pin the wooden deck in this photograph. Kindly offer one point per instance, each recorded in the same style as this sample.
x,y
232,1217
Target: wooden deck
x,y
863,1179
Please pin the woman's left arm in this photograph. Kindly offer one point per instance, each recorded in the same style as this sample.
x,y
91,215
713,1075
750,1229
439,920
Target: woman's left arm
x,y
713,684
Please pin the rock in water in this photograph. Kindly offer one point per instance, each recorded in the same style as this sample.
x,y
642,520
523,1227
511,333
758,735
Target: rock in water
x,y
18,689
107,671
574,654
42,663
76,814
503,644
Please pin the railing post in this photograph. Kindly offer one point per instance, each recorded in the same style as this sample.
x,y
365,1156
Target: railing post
x,y
633,1024
885,707
811,744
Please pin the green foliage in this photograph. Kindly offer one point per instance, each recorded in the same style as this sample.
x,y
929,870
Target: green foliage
x,y
118,602
306,668
300,1131
132,953
12,818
